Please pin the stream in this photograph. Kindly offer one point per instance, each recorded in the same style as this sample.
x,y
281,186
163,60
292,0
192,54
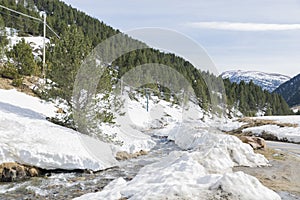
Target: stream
x,y
71,185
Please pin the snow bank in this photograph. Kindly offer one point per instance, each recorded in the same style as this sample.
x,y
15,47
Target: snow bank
x,y
27,138
229,125
287,133
161,115
180,176
34,141
30,103
133,140
292,119
203,172
218,152
242,186
31,111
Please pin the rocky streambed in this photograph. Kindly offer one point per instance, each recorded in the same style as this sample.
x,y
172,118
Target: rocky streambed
x,y
63,185
282,177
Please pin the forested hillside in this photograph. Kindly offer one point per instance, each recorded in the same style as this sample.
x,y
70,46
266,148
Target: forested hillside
x,y
80,33
249,98
290,91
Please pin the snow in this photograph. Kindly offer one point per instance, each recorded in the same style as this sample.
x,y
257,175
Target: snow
x,y
133,139
292,119
27,138
180,176
230,125
266,80
291,134
30,103
243,186
161,115
202,169
216,151
36,42
203,172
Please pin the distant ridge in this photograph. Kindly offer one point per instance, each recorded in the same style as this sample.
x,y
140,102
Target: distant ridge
x,y
267,81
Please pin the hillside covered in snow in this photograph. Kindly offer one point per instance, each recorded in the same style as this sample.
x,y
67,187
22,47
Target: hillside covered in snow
x,y
155,135
30,139
266,81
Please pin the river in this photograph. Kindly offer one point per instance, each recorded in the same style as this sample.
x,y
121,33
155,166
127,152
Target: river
x,y
71,185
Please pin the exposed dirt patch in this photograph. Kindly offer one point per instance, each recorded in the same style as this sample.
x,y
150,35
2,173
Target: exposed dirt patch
x,y
6,84
260,122
25,87
283,175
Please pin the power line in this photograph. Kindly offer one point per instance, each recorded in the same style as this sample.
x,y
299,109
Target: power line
x,y
21,13
45,27
34,18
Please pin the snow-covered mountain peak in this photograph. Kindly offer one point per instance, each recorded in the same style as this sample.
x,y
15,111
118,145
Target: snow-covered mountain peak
x,y
268,81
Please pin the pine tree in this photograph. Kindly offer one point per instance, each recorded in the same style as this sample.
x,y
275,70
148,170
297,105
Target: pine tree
x,y
65,59
3,39
22,58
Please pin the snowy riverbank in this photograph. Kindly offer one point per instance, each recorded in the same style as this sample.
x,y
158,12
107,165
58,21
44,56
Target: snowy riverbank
x,y
202,172
200,165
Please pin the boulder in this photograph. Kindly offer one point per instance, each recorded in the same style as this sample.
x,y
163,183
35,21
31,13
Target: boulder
x,y
255,142
33,172
8,175
123,155
14,172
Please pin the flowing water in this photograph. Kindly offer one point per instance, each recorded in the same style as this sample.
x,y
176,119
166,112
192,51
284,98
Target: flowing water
x,y
71,185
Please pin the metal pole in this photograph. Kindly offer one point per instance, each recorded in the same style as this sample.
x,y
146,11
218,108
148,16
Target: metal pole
x,y
37,19
121,86
44,48
147,101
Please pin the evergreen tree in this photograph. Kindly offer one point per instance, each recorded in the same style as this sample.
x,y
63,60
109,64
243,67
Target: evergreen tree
x,y
65,59
3,40
22,58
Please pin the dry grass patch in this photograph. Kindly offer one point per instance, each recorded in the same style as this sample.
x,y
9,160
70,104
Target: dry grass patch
x,y
261,122
6,84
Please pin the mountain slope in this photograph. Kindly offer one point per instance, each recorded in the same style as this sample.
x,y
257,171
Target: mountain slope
x,y
290,91
266,81
80,33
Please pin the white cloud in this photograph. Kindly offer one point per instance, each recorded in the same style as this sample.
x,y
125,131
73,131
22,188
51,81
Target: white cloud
x,y
237,26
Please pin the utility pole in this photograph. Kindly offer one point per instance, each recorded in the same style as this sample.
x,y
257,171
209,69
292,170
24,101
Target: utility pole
x,y
44,39
44,48
121,85
147,99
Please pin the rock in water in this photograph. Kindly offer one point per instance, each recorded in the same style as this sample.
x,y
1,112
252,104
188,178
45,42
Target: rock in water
x,y
15,172
123,155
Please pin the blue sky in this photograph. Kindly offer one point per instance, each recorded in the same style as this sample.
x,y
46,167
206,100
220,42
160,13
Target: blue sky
x,y
261,35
